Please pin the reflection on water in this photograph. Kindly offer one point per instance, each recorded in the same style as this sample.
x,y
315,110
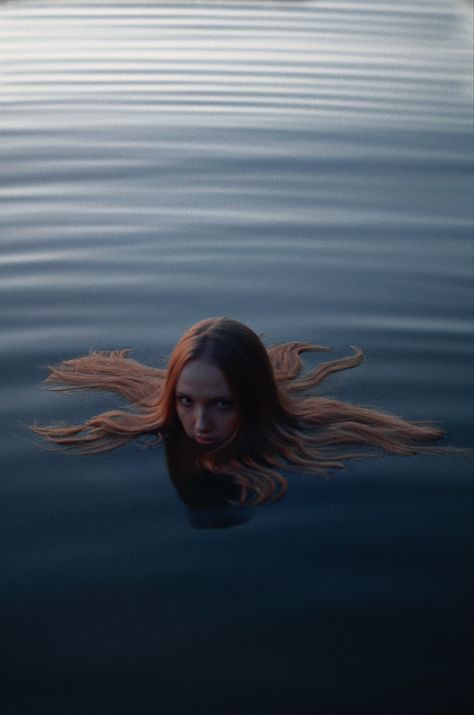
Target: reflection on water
x,y
305,167
211,501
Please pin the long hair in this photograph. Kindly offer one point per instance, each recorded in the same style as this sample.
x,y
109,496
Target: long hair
x,y
282,422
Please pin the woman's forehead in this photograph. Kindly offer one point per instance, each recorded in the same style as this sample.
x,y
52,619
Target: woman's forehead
x,y
203,378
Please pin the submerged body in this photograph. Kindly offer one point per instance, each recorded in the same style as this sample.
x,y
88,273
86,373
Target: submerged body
x,y
248,409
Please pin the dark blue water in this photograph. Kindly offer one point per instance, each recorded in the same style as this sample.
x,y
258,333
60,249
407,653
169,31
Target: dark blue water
x,y
305,167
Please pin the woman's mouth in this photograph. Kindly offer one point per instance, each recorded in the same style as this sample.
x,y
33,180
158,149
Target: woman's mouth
x,y
202,439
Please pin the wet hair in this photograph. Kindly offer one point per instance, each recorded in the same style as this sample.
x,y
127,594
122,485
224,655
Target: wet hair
x,y
284,423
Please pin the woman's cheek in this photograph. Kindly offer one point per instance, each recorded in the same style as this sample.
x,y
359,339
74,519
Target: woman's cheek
x,y
183,415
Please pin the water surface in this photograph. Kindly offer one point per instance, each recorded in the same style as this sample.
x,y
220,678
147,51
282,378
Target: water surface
x,y
305,167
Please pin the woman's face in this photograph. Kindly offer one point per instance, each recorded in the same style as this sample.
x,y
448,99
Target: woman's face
x,y
205,404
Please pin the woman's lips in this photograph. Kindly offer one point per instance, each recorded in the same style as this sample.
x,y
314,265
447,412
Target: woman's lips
x,y
205,440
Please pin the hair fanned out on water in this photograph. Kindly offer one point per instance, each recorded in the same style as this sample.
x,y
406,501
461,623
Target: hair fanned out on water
x,y
285,423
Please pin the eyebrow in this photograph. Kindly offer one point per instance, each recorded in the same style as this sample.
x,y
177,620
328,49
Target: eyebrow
x,y
227,398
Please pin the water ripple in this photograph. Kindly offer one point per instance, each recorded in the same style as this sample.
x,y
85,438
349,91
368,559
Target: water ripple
x,y
283,162
276,58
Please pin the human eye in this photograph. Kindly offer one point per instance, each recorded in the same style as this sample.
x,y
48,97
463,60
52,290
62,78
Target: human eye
x,y
225,404
184,400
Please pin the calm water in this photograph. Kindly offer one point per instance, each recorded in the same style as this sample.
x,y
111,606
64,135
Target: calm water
x,y
305,167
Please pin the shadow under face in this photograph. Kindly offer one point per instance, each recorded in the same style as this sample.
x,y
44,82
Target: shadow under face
x,y
206,496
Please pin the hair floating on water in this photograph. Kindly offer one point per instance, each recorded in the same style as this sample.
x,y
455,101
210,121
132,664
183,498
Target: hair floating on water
x,y
282,423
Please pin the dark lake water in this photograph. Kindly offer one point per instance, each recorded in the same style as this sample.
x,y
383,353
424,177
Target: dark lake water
x,y
305,167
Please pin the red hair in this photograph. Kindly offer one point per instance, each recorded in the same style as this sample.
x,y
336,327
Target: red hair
x,y
281,422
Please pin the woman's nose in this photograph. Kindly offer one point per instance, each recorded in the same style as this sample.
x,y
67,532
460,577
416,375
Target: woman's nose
x,y
203,423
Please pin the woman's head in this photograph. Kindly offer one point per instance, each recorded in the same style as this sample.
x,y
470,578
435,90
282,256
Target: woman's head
x,y
249,406
220,384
